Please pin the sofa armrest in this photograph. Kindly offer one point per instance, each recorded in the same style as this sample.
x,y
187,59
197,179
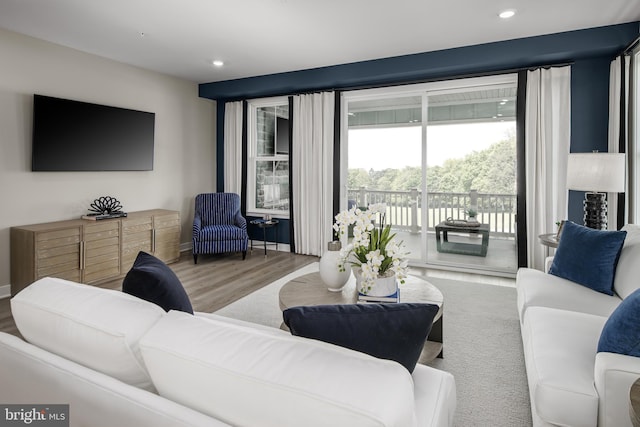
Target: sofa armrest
x,y
614,374
547,263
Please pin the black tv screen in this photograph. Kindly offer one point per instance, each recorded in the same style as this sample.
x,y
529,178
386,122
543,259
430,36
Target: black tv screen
x,y
282,136
79,136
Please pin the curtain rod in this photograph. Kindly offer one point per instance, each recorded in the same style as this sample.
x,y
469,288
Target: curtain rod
x,y
632,46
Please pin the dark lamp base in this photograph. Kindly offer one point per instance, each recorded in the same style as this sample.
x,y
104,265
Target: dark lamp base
x,y
595,210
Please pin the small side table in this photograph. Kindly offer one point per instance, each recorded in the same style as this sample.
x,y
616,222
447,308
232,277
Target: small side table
x,y
264,224
549,240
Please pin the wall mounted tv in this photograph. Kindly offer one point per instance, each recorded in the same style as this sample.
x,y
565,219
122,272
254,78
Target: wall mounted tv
x,y
79,136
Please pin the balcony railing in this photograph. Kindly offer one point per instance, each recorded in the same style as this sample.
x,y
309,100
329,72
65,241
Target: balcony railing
x,y
404,208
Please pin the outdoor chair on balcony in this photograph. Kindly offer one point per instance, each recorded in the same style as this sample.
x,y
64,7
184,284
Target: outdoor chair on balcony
x,y
218,225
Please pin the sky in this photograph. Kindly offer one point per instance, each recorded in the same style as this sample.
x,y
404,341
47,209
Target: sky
x,y
382,148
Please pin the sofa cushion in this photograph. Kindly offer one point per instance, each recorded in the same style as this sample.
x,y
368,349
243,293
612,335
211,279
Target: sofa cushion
x,y
152,280
95,327
621,333
218,367
388,331
536,288
628,268
560,348
588,257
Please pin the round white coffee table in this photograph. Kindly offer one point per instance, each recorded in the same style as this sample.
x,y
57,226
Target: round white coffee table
x,y
309,290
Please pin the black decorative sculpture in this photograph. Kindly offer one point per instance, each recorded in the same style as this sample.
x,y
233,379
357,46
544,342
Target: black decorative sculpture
x,y
106,205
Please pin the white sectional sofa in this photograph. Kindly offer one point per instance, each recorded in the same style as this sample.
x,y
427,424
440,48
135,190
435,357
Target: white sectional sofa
x,y
570,383
121,361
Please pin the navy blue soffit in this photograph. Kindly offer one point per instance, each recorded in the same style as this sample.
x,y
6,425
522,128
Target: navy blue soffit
x,y
476,59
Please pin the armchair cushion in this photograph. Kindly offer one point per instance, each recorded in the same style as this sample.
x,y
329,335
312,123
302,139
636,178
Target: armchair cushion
x,y
222,232
152,280
387,331
588,257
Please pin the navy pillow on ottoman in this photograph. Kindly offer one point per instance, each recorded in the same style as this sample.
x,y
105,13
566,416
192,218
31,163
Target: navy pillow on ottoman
x,y
621,333
151,280
588,257
387,331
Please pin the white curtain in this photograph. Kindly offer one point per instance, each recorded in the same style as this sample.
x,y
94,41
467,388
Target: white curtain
x,y
547,141
618,91
312,171
233,147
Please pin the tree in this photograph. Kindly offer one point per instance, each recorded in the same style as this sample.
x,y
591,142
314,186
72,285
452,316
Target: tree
x,y
358,178
408,178
492,170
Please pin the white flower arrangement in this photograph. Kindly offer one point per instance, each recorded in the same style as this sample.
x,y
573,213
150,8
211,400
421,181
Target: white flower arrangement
x,y
373,248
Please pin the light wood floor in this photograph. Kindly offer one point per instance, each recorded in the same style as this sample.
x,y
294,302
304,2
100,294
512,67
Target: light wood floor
x,y
217,280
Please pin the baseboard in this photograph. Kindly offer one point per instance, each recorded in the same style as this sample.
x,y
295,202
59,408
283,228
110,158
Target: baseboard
x,y
5,291
284,247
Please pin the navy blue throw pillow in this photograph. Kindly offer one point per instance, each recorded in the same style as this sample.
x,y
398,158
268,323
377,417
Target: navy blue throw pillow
x,y
153,281
387,331
621,333
588,257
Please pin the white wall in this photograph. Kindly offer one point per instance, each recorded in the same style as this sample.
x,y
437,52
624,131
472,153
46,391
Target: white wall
x,y
184,162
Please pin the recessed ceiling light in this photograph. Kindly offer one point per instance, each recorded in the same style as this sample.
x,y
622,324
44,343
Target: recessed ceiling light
x,y
217,63
507,14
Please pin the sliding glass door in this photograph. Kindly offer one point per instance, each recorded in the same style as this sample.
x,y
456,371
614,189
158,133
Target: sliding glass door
x,y
384,161
435,153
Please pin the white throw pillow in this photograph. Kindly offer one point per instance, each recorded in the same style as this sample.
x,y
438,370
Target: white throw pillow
x,y
246,377
95,327
628,268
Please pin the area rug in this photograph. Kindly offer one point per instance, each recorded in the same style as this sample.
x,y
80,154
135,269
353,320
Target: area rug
x,y
482,346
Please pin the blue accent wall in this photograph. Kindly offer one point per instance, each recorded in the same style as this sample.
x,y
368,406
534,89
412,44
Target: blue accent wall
x,y
482,58
590,50
220,147
589,116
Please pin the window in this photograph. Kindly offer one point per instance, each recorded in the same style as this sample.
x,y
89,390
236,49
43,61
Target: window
x,y
268,160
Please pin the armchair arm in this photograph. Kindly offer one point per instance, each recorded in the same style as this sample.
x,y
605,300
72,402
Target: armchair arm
x,y
614,375
197,224
240,221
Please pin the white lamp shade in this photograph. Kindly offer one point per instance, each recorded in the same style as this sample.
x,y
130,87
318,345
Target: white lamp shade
x,y
596,172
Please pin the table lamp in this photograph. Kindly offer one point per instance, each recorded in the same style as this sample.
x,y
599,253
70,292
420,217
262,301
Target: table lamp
x,y
597,174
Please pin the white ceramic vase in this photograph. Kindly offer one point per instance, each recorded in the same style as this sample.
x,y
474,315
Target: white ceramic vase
x,y
382,286
329,271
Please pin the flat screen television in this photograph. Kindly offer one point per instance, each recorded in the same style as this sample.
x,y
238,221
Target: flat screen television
x,y
282,136
79,136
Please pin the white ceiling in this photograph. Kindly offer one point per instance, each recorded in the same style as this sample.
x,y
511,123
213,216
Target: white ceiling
x,y
256,37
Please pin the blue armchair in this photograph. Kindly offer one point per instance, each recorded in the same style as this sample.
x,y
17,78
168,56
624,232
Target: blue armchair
x,y
218,225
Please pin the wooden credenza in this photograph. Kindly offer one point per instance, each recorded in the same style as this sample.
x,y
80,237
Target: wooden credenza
x,y
91,251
